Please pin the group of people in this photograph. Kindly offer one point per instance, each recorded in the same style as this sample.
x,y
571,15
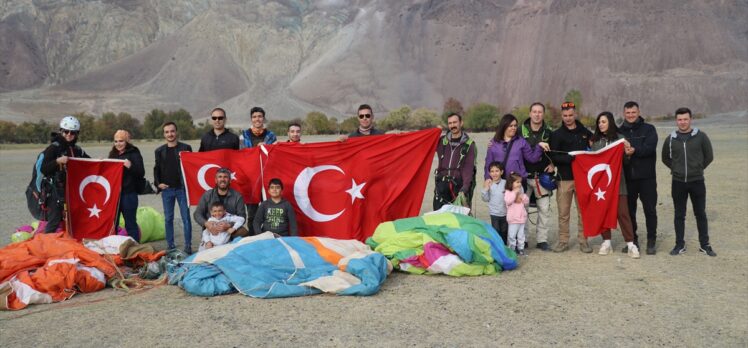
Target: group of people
x,y
520,161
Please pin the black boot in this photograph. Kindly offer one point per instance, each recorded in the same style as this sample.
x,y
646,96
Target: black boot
x,y
651,247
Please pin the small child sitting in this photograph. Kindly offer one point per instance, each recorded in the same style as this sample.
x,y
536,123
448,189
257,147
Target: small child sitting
x,y
275,214
218,214
516,215
493,193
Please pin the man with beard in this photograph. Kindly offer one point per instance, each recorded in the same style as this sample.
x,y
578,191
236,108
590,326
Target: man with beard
x,y
641,177
231,199
167,176
455,173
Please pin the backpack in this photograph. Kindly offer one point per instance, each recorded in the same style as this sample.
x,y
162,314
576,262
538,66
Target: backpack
x,y
40,187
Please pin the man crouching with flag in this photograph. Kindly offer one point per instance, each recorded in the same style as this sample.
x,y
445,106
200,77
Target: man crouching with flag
x,y
606,134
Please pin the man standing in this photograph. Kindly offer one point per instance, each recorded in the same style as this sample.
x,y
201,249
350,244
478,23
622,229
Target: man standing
x,y
641,178
687,152
167,176
571,136
219,137
535,130
294,133
365,124
257,134
231,200
455,172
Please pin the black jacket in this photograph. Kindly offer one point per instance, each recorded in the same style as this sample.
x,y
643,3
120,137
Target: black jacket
x,y
532,137
58,148
226,140
132,176
160,155
687,158
565,140
643,138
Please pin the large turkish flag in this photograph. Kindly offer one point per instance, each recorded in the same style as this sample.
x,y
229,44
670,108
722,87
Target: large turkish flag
x,y
345,189
597,176
92,193
199,171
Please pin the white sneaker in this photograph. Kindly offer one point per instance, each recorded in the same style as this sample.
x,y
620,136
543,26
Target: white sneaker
x,y
634,252
605,249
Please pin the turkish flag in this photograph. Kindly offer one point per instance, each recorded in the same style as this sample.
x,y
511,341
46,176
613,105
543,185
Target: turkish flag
x,y
92,193
345,189
199,171
597,176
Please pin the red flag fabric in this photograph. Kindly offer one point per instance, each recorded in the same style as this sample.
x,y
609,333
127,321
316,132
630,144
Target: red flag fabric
x,y
345,189
597,176
92,194
199,170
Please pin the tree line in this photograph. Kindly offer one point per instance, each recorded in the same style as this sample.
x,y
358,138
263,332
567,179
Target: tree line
x,y
479,117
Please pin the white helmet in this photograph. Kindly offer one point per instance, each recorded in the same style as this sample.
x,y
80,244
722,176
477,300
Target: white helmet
x,y
70,123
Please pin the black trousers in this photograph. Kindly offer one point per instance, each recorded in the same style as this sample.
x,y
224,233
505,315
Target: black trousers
x,y
54,214
646,191
445,192
500,225
697,191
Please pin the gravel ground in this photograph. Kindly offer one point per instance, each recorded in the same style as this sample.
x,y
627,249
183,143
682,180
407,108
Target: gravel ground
x,y
551,299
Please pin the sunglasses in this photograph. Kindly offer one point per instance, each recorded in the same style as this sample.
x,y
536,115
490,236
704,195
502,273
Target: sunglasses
x,y
567,105
362,116
218,118
66,132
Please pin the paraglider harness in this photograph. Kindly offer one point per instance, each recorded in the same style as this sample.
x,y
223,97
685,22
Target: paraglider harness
x,y
42,187
453,184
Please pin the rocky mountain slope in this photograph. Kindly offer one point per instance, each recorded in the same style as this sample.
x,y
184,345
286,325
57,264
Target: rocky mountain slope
x,y
296,56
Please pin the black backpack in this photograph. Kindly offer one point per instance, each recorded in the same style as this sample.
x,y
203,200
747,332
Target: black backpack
x,y
39,189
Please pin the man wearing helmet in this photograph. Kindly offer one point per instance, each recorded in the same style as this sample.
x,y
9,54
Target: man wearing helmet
x,y
56,157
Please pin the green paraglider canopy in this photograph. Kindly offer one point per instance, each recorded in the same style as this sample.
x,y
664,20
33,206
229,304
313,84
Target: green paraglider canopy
x,y
151,224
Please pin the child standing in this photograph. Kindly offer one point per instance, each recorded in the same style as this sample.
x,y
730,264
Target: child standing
x,y
218,214
275,214
493,193
516,215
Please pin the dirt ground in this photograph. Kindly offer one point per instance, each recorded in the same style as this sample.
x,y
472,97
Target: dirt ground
x,y
566,299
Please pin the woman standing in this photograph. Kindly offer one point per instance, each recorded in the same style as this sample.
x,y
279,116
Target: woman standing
x,y
606,132
134,173
506,140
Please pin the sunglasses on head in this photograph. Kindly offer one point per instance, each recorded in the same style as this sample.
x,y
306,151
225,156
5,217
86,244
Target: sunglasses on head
x,y
567,105
65,132
362,116
217,118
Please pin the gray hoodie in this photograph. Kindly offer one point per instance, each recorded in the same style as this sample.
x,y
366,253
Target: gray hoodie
x,y
495,198
687,155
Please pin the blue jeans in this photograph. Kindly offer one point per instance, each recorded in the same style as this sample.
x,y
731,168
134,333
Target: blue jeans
x,y
128,207
168,196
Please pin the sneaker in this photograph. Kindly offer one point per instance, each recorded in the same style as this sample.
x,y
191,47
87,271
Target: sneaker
x,y
561,247
625,249
605,249
678,250
521,252
708,250
585,247
651,247
543,246
634,252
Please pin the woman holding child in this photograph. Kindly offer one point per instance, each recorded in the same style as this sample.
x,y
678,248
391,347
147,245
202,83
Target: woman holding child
x,y
606,132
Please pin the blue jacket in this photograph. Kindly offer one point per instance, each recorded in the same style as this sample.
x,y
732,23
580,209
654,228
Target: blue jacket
x,y
246,138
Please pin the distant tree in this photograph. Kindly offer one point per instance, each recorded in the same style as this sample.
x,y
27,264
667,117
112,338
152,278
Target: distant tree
x,y
522,112
279,127
552,115
37,133
317,123
452,105
574,96
127,122
152,124
423,118
396,119
8,132
481,117
183,119
348,125
88,123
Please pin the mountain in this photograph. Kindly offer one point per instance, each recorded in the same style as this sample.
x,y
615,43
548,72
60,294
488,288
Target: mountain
x,y
292,57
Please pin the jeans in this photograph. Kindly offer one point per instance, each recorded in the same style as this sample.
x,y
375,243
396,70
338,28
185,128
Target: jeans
x,y
646,191
697,191
517,236
500,225
128,207
168,197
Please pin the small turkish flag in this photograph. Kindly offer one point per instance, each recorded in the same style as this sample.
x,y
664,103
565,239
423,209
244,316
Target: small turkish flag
x,y
199,170
597,176
346,189
92,193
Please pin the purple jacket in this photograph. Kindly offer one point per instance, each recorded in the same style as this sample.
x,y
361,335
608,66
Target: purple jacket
x,y
521,152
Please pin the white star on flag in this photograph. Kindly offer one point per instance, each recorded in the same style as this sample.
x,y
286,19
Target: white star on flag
x,y
94,211
355,191
600,194
233,176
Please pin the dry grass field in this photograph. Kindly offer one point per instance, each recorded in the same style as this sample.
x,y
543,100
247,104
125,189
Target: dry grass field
x,y
567,299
